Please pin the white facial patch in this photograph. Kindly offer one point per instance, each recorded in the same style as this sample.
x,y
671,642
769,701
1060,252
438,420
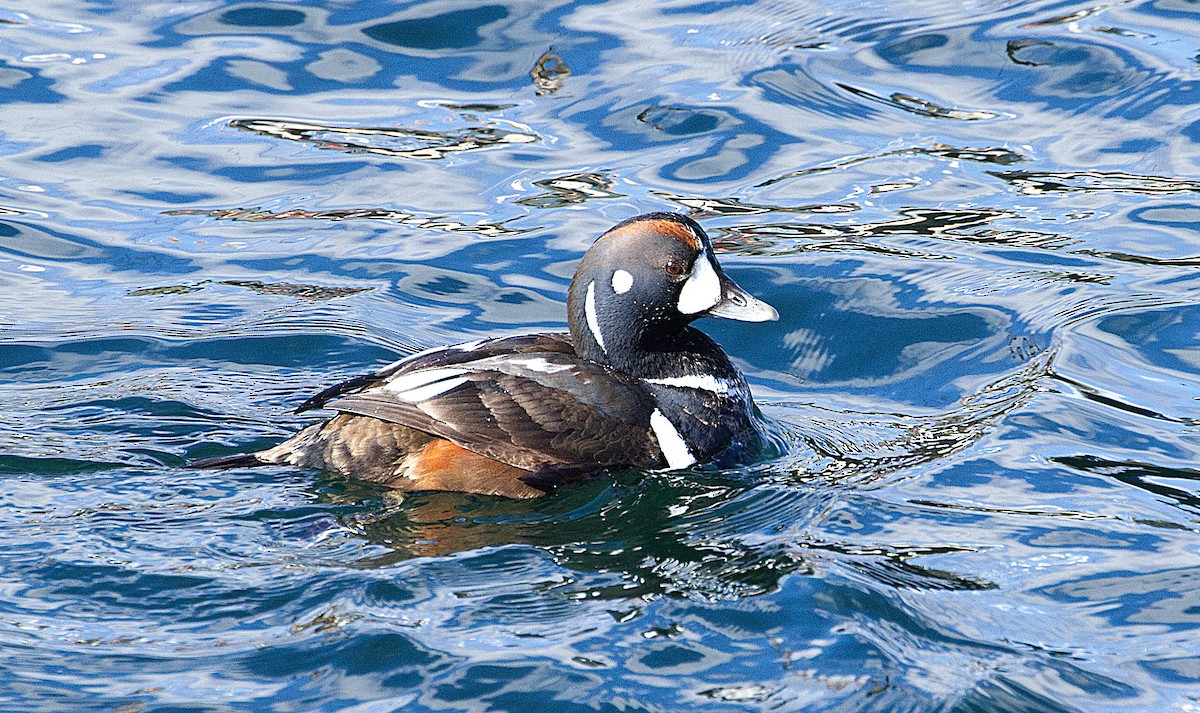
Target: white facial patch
x,y
424,385
589,311
704,382
673,447
621,282
702,289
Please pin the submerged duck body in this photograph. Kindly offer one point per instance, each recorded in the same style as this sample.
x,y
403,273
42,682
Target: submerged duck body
x,y
631,385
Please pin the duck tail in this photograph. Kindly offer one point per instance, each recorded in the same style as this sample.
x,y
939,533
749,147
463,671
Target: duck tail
x,y
236,460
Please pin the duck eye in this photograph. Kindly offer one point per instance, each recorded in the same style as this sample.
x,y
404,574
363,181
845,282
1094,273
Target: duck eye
x,y
674,268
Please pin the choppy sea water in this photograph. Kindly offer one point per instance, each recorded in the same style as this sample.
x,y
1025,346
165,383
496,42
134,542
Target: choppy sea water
x,y
978,221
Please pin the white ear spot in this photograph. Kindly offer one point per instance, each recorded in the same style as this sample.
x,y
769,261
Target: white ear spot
x,y
672,445
621,282
589,311
702,289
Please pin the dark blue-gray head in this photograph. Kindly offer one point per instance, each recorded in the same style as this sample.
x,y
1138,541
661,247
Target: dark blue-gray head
x,y
643,282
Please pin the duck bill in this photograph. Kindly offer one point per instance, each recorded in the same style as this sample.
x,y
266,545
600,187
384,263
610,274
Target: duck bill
x,y
736,303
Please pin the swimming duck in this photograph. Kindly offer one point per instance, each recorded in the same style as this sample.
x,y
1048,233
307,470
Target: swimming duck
x,y
631,385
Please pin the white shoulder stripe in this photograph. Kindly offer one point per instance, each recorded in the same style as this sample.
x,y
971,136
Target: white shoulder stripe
x,y
538,364
425,384
704,382
430,390
673,447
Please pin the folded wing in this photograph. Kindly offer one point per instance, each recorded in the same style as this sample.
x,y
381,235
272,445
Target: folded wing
x,y
526,401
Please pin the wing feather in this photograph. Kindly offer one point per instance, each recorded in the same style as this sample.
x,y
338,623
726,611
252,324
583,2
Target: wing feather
x,y
548,342
530,409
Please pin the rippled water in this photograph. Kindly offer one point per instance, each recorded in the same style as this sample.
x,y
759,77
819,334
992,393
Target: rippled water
x,y
978,220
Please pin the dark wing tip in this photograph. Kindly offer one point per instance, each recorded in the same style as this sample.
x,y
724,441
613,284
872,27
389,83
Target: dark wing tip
x,y
331,393
236,460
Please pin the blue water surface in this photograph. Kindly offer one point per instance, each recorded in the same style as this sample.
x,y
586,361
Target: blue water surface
x,y
979,222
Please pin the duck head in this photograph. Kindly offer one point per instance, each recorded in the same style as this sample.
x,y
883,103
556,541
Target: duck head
x,y
643,282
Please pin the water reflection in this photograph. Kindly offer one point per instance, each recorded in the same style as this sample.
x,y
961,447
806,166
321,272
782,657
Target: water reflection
x,y
682,121
922,107
1076,15
690,557
1142,475
305,292
549,73
572,189
997,155
982,386
708,207
1019,238
458,29
788,238
1039,182
425,222
387,141
1143,259
864,448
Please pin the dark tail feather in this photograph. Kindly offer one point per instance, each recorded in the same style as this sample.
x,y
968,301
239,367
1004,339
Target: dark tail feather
x,y
237,460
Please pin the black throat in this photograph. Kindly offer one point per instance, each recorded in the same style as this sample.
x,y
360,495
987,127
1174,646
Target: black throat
x,y
653,351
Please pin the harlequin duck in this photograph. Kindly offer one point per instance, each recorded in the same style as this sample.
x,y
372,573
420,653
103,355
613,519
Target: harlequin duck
x,y
631,385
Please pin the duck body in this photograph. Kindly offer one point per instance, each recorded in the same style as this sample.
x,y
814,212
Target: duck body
x,y
632,385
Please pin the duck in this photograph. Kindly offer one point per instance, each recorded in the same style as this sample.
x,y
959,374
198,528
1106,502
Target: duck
x,y
631,385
